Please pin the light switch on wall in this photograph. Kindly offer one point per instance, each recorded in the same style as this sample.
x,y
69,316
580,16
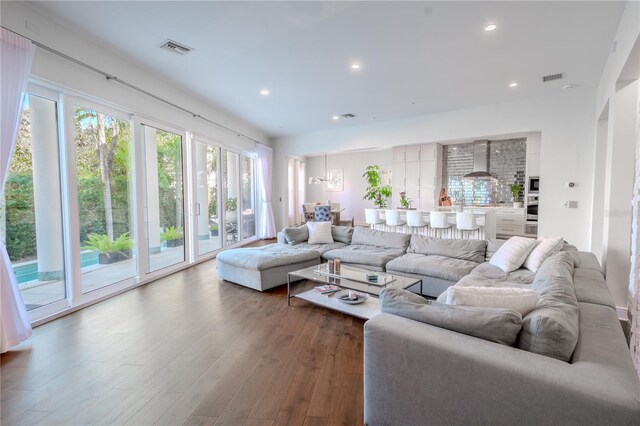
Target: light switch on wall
x,y
570,204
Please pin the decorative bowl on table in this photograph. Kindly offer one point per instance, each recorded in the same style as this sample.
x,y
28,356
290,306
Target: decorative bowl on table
x,y
356,298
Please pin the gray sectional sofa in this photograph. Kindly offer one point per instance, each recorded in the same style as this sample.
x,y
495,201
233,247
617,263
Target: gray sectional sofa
x,y
567,364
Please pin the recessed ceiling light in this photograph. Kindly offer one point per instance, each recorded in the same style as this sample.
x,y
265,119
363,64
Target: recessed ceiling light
x,y
490,27
355,66
335,117
514,84
264,92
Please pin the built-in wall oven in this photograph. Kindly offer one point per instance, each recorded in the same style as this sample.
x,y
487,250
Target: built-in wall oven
x,y
532,208
531,225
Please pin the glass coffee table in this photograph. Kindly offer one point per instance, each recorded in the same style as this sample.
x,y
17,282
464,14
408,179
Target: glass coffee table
x,y
349,278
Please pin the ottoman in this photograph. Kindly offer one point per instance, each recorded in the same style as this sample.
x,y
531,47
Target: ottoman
x,y
262,268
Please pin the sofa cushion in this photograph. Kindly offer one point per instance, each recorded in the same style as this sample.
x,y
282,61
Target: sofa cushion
x,y
492,247
473,250
546,247
513,253
552,328
319,233
364,255
320,248
520,300
496,325
296,234
490,272
266,257
342,234
371,237
590,287
446,268
589,261
573,252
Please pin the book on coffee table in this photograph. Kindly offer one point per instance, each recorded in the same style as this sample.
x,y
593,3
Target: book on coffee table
x,y
327,289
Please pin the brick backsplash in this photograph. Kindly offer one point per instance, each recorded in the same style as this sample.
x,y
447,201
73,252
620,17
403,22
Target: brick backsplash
x,y
507,161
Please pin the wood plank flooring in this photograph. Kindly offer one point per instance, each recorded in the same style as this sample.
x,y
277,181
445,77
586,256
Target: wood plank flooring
x,y
189,349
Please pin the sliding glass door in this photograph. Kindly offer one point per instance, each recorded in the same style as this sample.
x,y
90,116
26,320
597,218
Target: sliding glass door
x,y
207,212
103,144
31,224
248,198
164,203
231,192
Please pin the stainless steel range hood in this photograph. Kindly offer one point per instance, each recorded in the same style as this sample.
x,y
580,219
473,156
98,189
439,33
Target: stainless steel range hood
x,y
480,161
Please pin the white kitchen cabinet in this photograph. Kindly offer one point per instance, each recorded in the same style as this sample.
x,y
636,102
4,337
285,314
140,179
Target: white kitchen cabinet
x,y
399,175
510,221
429,173
533,165
412,153
398,153
428,198
429,151
417,170
412,174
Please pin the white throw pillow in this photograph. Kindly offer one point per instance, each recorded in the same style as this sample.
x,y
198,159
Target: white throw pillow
x,y
513,253
521,300
319,233
546,247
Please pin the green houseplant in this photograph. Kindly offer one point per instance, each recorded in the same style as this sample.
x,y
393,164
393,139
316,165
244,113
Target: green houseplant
x,y
173,236
405,203
376,190
213,229
231,206
515,191
109,251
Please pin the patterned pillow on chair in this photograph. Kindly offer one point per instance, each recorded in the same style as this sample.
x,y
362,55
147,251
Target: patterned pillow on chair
x,y
322,213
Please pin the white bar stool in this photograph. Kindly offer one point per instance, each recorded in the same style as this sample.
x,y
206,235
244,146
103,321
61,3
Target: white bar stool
x,y
466,222
393,219
438,222
415,221
372,217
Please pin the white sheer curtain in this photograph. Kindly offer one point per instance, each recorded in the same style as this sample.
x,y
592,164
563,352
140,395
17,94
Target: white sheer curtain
x,y
266,224
16,56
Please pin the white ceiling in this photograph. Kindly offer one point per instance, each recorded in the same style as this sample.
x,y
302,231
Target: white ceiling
x,y
417,57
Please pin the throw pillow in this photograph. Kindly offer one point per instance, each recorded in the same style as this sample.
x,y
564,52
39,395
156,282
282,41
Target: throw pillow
x,y
495,325
513,253
296,235
545,248
521,300
342,234
320,232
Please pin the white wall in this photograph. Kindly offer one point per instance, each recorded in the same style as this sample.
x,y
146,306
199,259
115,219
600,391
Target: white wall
x,y
353,164
617,100
53,68
565,121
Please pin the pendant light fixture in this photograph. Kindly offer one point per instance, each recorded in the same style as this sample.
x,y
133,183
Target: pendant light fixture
x,y
317,180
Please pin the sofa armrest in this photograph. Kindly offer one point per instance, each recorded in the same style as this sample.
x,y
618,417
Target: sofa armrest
x,y
415,373
281,239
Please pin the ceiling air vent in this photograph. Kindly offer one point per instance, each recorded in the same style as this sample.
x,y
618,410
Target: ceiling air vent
x,y
552,77
175,47
347,115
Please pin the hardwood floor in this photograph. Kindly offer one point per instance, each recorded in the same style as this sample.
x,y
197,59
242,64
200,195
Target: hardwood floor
x,y
188,349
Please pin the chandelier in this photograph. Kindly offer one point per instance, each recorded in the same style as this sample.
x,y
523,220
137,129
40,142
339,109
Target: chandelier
x,y
332,180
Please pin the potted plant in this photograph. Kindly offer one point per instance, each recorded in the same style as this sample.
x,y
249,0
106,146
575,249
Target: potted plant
x,y
109,251
376,190
231,207
173,236
515,191
213,229
405,203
